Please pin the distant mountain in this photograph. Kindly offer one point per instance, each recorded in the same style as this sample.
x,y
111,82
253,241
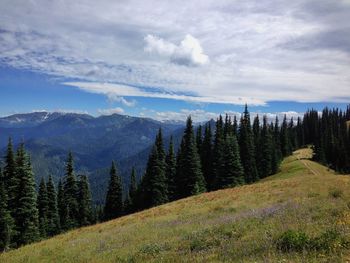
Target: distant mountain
x,y
94,141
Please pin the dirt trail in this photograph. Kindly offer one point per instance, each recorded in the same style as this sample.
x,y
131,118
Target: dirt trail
x,y
306,154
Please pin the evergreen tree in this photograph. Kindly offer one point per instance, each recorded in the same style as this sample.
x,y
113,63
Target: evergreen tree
x,y
6,221
235,127
265,160
189,176
207,157
26,213
53,222
276,150
70,196
10,179
154,185
257,143
131,198
286,147
85,201
170,172
114,198
232,174
246,145
61,205
199,138
218,152
43,207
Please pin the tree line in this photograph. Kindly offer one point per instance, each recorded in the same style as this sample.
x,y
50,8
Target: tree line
x,y
227,153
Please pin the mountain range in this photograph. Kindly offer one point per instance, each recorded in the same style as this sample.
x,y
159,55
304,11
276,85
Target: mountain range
x,y
94,142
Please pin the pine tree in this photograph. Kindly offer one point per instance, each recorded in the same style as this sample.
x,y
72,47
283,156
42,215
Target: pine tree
x,y
170,172
61,205
232,174
218,152
114,198
207,158
131,198
286,147
43,207
246,145
10,179
53,222
70,196
265,160
84,201
189,175
154,185
257,143
26,213
199,139
6,221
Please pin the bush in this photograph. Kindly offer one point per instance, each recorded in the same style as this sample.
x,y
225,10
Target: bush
x,y
329,240
152,249
335,193
292,240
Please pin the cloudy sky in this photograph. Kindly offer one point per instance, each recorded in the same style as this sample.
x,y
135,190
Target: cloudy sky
x,y
168,59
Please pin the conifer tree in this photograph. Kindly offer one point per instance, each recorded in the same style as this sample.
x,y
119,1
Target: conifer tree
x,y
266,150
232,174
235,126
6,221
257,143
170,172
61,205
10,179
199,138
218,152
70,195
189,176
26,213
154,185
131,198
43,207
114,198
53,222
207,157
246,145
285,139
84,201
276,142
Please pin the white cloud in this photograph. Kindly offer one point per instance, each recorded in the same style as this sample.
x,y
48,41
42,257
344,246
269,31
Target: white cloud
x,y
117,110
259,51
189,52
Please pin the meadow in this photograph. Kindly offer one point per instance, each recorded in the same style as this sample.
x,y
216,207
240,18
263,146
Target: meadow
x,y
301,214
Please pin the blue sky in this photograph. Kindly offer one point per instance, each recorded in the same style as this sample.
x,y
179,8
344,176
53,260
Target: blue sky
x,y
168,60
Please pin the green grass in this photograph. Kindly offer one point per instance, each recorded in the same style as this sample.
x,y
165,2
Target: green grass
x,y
300,214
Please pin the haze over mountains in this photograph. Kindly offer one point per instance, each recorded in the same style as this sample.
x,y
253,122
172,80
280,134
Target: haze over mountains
x,y
94,141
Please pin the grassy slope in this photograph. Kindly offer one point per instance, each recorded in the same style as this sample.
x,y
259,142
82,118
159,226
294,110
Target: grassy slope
x,y
232,225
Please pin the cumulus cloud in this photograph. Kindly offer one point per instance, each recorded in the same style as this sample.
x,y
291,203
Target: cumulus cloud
x,y
259,51
189,52
116,110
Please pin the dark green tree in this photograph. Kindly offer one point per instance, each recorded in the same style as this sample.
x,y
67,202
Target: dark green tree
x,y
26,213
84,201
218,152
170,172
61,205
207,157
70,196
189,177
199,138
246,145
286,147
114,198
266,145
6,221
43,207
53,222
10,179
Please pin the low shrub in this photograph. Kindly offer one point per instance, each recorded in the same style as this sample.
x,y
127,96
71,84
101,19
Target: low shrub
x,y
292,240
335,193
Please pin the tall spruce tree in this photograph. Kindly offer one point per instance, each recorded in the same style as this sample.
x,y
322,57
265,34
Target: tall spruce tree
x,y
232,174
53,222
170,172
286,147
199,138
130,200
114,198
26,213
266,151
61,205
246,145
189,176
70,195
218,152
84,201
276,142
6,221
10,178
257,143
154,185
43,207
207,157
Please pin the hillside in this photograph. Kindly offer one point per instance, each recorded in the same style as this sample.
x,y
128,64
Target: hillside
x,y
243,224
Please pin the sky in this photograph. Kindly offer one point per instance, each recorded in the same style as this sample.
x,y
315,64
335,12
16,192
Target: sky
x,y
170,59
